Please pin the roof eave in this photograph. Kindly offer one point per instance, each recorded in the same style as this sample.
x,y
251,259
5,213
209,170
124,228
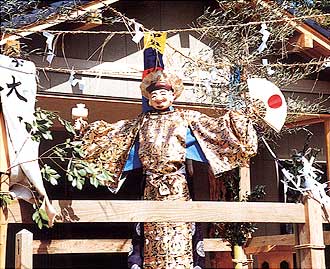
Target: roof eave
x,y
55,19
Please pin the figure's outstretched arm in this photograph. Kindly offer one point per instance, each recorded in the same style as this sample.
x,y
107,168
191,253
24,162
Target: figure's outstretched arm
x,y
227,141
107,145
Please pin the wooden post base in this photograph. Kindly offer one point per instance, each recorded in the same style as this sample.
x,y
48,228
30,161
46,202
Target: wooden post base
x,y
309,237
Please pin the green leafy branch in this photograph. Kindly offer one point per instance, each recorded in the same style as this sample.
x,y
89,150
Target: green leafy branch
x,y
81,170
40,128
78,171
70,151
66,157
43,121
237,233
40,217
5,199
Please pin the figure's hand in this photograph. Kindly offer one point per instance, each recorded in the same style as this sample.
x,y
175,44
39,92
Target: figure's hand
x,y
79,113
256,111
80,124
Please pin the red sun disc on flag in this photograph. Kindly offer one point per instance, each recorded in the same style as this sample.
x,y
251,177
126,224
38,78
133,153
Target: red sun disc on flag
x,y
275,101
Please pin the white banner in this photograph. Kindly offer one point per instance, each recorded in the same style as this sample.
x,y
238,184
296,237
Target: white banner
x,y
18,95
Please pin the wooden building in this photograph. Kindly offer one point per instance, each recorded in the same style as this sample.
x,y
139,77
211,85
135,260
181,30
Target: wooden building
x,y
110,67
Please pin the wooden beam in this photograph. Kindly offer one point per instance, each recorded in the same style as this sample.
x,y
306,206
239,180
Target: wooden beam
x,y
120,71
312,34
309,237
86,26
4,188
299,26
280,240
307,86
303,123
244,190
122,245
305,41
326,237
172,211
105,246
307,119
56,19
26,247
81,246
327,147
216,244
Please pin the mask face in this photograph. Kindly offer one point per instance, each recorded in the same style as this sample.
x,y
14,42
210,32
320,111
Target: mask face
x,y
161,99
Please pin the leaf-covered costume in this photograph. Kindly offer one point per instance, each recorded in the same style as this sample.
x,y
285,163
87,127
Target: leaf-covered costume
x,y
227,142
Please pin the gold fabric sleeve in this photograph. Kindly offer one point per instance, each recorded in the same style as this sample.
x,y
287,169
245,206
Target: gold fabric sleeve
x,y
108,145
227,142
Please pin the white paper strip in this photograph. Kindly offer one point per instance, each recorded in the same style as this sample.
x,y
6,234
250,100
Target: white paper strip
x,y
138,33
50,46
265,36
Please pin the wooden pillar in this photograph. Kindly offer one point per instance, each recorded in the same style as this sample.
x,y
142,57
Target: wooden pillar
x,y
4,188
310,244
24,250
327,146
240,259
245,181
296,243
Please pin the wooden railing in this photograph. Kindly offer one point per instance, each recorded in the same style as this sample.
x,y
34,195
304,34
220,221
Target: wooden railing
x,y
308,217
175,211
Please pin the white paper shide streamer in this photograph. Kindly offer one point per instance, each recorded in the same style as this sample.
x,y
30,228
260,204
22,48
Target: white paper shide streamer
x,y
50,46
270,71
307,181
326,63
213,76
138,33
74,81
265,35
18,95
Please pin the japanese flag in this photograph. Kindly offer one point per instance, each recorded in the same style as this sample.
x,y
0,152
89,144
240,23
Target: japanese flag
x,y
18,95
273,99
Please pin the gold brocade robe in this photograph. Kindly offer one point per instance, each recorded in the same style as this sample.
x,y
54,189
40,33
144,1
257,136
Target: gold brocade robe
x,y
227,142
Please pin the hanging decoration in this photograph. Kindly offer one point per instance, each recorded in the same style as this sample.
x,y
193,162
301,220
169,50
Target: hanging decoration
x,y
306,180
270,71
138,33
207,78
74,81
265,35
234,100
154,46
50,46
301,175
326,63
18,95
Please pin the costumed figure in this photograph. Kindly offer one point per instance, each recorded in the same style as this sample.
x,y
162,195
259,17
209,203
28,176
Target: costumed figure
x,y
162,140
